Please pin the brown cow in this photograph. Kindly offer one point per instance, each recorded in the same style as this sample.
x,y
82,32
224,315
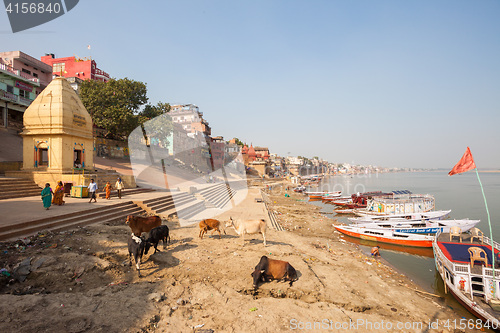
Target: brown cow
x,y
210,224
142,224
271,269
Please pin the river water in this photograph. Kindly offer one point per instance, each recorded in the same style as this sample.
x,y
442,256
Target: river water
x,y
460,193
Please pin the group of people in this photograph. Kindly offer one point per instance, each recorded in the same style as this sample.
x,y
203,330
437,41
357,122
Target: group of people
x,y
93,189
56,196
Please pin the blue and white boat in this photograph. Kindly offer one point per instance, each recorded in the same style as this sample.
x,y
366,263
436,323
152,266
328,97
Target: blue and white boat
x,y
423,216
419,226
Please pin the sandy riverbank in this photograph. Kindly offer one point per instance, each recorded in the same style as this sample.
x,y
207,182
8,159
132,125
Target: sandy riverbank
x,y
84,284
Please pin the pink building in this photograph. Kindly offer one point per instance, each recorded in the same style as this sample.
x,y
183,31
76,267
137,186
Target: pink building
x,y
85,69
22,78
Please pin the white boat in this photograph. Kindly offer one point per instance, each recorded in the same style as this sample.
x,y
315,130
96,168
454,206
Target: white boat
x,y
474,285
320,195
435,215
341,201
420,226
386,236
398,204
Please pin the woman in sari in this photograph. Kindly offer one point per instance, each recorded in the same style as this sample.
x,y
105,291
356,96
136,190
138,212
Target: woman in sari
x,y
58,194
47,196
108,190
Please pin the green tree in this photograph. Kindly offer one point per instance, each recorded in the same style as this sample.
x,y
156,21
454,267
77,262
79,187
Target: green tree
x,y
151,111
238,142
114,105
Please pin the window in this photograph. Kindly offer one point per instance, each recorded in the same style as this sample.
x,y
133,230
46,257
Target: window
x,y
35,74
10,89
23,93
24,70
58,68
77,158
43,156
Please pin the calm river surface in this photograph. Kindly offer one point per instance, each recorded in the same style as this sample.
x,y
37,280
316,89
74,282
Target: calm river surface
x,y
460,193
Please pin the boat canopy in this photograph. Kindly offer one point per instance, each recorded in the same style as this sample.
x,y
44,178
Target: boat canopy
x,y
402,192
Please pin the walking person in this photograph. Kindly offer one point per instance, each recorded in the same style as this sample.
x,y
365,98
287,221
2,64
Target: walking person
x,y
47,196
108,190
58,194
119,187
92,189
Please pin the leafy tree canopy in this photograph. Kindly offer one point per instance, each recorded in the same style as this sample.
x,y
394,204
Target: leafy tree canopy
x,y
238,142
114,105
152,111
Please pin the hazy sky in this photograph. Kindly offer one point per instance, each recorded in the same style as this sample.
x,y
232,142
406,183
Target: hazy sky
x,y
390,83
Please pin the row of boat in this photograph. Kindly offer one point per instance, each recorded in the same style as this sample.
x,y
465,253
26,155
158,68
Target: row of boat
x,y
466,260
463,256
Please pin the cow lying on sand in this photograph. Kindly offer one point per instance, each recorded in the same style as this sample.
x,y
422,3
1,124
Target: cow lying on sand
x,y
271,269
248,227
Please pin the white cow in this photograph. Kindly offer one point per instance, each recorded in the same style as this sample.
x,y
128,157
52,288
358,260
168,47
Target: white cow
x,y
248,227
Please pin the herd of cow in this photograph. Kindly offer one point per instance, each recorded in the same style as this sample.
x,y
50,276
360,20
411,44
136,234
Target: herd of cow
x,y
266,270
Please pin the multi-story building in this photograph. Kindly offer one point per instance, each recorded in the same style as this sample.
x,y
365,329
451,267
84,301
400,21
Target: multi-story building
x,y
22,78
217,152
191,119
82,68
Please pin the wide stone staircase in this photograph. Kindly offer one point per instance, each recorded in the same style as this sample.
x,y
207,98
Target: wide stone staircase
x,y
220,194
70,221
125,192
18,188
181,204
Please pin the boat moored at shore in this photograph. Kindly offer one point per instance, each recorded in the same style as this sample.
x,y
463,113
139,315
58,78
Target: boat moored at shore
x,y
387,236
403,204
420,227
459,259
320,195
432,215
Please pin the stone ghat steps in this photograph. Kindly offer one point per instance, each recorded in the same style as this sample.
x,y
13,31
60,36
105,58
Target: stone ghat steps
x,y
114,193
71,220
18,188
218,195
180,203
166,203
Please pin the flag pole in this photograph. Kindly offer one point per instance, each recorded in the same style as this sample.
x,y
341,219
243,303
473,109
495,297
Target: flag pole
x,y
491,232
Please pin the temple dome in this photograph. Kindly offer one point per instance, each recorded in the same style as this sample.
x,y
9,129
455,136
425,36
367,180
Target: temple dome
x,y
57,110
251,152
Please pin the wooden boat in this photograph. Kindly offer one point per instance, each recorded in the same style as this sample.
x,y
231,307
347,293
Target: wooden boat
x,y
320,195
299,189
473,284
387,236
342,201
360,200
420,226
405,204
344,211
434,215
330,197
417,251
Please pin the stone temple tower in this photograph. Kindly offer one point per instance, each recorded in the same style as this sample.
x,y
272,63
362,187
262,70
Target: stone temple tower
x,y
57,137
57,133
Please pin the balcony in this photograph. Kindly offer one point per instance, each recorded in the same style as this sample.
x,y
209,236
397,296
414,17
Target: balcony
x,y
10,97
102,74
21,75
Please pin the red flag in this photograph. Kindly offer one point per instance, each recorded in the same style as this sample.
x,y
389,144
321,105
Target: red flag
x,y
465,164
